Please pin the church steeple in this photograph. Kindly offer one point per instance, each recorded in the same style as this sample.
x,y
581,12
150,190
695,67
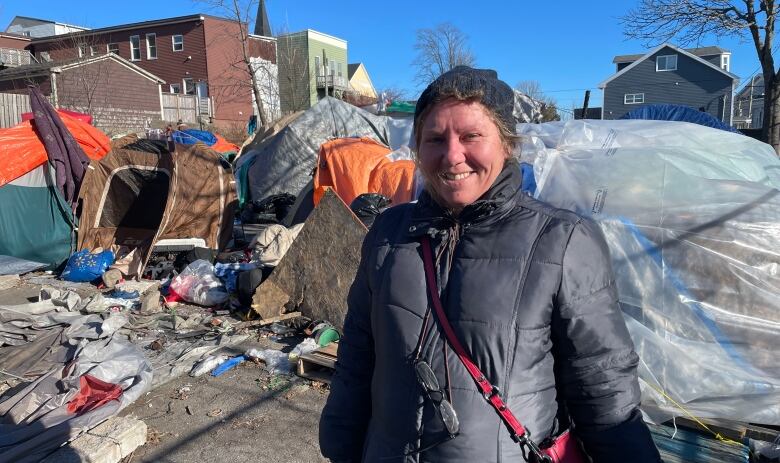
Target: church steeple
x,y
262,26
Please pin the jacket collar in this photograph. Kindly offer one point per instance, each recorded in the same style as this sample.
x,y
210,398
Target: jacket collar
x,y
429,217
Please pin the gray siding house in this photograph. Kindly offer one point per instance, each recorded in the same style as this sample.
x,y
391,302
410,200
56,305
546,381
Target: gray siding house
x,y
697,77
749,104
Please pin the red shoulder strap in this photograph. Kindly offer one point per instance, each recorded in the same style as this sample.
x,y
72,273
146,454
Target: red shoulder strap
x,y
490,392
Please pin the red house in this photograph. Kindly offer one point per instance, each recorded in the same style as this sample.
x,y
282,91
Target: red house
x,y
196,54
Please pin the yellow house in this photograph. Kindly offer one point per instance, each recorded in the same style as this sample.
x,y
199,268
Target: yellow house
x,y
359,80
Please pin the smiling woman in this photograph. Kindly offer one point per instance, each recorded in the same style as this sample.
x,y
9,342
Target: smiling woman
x,y
526,340
460,152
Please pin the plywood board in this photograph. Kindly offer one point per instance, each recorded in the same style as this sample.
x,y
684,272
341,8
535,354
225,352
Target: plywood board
x,y
316,273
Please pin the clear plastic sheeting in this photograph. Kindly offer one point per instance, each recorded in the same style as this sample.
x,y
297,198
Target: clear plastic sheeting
x,y
692,218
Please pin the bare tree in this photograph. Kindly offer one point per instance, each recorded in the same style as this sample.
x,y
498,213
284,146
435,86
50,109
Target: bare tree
x,y
533,89
656,21
394,93
250,70
439,50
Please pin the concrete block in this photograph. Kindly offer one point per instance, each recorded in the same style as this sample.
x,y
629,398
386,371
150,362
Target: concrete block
x,y
108,442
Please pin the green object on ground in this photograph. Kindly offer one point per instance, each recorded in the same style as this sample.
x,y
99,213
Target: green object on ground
x,y
327,336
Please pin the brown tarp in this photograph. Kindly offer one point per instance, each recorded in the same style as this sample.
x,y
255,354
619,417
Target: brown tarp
x,y
135,198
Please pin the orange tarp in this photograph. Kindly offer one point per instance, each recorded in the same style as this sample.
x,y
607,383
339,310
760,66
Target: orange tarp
x,y
21,150
353,166
394,180
224,146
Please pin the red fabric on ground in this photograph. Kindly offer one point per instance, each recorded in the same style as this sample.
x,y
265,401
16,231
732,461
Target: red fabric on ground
x,y
93,394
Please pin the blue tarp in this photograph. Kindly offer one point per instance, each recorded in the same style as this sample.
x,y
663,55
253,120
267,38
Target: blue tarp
x,y
192,136
673,112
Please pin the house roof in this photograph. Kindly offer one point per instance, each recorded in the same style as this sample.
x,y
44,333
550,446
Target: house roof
x,y
42,69
122,27
30,18
757,83
317,35
11,35
702,51
656,50
351,69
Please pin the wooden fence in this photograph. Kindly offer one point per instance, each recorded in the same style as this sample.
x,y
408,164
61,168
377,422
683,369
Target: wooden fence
x,y
12,105
185,108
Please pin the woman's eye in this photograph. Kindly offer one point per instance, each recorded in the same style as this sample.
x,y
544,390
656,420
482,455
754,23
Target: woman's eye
x,y
471,136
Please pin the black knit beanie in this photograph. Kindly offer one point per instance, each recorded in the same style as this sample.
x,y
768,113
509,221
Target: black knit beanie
x,y
496,94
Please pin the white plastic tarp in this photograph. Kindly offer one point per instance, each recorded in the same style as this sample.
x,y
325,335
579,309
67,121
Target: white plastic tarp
x,y
692,218
35,421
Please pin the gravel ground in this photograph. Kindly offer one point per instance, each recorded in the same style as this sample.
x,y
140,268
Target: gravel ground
x,y
245,415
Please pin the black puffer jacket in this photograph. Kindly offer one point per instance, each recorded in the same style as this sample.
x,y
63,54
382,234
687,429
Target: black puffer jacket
x,y
530,293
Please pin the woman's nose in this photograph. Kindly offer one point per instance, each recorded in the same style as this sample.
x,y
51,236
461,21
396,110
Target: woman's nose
x,y
454,152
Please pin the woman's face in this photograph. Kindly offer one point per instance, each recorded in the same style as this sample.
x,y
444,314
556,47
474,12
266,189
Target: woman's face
x,y
460,152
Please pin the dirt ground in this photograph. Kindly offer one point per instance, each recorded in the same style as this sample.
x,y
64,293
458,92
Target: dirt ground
x,y
245,415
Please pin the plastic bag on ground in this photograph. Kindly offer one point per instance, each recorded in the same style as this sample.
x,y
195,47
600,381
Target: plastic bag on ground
x,y
208,364
84,266
276,361
200,285
308,345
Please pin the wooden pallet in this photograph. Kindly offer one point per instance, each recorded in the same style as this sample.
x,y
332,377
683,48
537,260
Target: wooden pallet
x,y
320,364
689,446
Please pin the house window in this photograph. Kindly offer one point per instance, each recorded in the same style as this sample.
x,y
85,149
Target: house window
x,y
317,65
113,48
178,42
725,62
151,46
666,63
189,86
339,68
634,98
82,51
175,88
332,67
45,56
93,50
135,48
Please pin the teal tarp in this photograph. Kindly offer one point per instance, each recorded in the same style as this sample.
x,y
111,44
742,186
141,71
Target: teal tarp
x,y
35,222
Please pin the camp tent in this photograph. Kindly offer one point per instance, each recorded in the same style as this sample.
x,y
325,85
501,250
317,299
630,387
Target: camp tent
x,y
674,112
36,222
353,166
284,162
135,198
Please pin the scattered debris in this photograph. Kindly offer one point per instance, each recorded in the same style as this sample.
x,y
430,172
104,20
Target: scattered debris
x,y
319,364
208,364
215,412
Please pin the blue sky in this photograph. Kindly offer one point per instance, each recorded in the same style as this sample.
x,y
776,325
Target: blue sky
x,y
567,45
